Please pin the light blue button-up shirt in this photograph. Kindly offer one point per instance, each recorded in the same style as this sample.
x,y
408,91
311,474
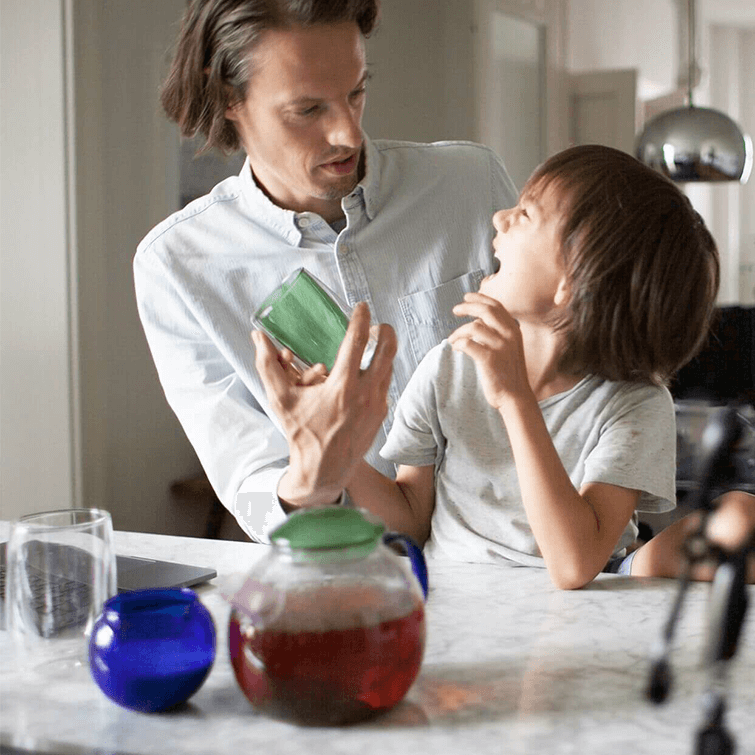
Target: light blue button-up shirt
x,y
418,236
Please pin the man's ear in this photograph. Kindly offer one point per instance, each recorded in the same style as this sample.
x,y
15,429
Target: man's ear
x,y
234,103
563,293
230,112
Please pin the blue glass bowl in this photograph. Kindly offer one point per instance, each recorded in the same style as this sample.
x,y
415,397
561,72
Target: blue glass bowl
x,y
152,649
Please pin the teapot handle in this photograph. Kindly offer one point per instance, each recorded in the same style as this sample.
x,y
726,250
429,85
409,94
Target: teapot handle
x,y
414,552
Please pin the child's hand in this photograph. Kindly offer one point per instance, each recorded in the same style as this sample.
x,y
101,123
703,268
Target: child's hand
x,y
732,524
494,341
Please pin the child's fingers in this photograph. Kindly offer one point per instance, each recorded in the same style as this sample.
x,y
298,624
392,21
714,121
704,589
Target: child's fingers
x,y
471,348
484,308
479,332
480,298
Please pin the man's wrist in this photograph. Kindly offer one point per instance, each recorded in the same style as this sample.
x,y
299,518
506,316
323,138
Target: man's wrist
x,y
294,494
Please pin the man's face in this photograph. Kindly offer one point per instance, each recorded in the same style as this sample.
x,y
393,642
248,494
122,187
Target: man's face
x,y
301,123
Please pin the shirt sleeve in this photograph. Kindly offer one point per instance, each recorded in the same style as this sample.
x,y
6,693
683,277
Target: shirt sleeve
x,y
242,452
504,192
415,438
637,447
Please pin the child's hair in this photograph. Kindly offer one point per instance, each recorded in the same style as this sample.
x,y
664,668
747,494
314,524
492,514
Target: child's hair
x,y
642,267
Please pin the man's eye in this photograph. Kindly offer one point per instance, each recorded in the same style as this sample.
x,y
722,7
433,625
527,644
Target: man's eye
x,y
356,98
524,212
309,110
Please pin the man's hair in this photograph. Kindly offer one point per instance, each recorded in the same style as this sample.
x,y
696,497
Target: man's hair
x,y
643,269
211,64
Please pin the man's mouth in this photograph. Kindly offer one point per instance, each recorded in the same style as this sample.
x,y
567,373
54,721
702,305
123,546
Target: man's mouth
x,y
343,166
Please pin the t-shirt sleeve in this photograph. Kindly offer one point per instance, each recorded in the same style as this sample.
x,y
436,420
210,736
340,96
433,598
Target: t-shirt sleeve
x,y
637,448
415,438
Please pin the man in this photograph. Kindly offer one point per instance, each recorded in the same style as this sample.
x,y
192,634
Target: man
x,y
404,228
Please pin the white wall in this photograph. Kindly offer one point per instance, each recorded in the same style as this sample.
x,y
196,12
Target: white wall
x,y
639,34
729,209
36,427
126,181
421,60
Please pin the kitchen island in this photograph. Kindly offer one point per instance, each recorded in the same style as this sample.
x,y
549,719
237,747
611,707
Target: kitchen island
x,y
512,665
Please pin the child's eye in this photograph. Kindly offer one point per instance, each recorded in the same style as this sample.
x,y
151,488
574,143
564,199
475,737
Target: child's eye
x,y
524,212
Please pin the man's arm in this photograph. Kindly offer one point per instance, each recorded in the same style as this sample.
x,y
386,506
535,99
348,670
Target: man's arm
x,y
331,421
331,424
241,450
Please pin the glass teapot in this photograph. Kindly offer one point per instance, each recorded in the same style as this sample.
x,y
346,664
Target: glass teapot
x,y
329,627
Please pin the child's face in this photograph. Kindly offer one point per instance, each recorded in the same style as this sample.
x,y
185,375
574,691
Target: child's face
x,y
531,280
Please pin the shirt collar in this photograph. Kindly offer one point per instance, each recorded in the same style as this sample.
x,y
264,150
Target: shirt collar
x,y
282,220
370,184
367,190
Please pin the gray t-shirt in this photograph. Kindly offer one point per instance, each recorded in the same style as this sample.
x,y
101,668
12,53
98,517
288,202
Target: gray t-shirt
x,y
618,433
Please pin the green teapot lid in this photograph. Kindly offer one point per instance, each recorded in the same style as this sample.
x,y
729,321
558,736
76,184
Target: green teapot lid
x,y
329,527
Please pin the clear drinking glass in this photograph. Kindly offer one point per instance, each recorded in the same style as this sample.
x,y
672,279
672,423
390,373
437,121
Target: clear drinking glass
x,y
60,570
305,316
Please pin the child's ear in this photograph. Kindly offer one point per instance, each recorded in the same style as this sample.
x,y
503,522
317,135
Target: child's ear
x,y
563,293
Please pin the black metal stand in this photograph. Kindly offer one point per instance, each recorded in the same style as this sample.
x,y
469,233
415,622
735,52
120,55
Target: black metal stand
x,y
728,600
727,609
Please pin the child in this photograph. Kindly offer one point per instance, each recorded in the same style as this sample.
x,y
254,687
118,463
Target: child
x,y
538,429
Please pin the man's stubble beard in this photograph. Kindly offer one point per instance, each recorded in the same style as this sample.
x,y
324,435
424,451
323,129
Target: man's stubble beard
x,y
340,191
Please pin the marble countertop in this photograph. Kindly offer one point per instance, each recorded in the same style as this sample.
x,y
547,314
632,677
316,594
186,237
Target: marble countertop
x,y
512,666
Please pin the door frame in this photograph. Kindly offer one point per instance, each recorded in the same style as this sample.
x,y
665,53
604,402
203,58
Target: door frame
x,y
551,17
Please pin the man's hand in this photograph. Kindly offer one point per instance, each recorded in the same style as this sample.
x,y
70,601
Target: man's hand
x,y
330,422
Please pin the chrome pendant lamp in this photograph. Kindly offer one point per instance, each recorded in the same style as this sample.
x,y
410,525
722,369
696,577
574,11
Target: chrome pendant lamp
x,y
695,143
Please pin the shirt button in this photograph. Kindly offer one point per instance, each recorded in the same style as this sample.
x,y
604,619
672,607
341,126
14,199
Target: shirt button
x,y
303,222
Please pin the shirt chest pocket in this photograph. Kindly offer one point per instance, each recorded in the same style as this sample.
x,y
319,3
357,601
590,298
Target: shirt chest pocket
x,y
428,314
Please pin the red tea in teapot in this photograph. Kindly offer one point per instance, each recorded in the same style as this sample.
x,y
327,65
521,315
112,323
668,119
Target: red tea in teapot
x,y
332,657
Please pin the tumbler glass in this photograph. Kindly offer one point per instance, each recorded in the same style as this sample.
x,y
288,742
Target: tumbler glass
x,y
60,570
305,316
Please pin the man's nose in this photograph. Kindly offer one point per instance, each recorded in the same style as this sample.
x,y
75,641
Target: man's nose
x,y
346,128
